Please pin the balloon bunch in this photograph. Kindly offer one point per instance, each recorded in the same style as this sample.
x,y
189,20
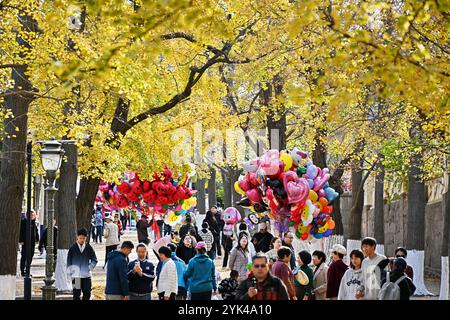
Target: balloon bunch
x,y
292,189
160,194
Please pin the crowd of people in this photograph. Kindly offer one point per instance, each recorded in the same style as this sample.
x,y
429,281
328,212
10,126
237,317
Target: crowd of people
x,y
261,266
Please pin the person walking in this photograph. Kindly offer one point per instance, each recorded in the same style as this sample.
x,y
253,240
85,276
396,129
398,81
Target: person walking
x,y
352,280
303,291
336,271
116,274
188,228
281,269
124,216
320,275
23,240
186,249
262,239
111,235
142,229
227,287
242,230
227,241
213,226
43,241
118,224
288,242
181,269
272,254
260,284
207,237
239,258
201,274
81,260
167,283
98,225
370,269
141,274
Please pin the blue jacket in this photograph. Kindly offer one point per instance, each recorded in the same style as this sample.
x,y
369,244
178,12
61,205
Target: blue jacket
x,y
201,273
181,268
141,284
116,275
98,218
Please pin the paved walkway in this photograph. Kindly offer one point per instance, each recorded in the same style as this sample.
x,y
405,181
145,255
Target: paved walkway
x,y
99,274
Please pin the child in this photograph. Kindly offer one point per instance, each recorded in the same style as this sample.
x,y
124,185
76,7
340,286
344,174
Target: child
x,y
227,288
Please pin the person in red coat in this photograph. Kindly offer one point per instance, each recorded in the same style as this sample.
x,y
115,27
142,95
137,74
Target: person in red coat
x,y
336,271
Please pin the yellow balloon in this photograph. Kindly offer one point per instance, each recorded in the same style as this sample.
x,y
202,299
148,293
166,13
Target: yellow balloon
x,y
301,228
287,159
323,228
313,196
193,202
319,205
238,189
185,205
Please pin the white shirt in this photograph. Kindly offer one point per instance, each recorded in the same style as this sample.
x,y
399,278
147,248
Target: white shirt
x,y
81,247
168,278
372,276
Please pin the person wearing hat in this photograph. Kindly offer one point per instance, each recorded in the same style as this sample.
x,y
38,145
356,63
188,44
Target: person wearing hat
x,y
336,271
304,276
81,260
111,235
352,281
201,274
406,285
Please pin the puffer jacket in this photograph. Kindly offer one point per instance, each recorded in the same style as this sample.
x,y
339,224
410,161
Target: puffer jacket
x,y
238,261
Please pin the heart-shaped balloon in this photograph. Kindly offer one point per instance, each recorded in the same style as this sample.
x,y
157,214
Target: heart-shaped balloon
x,y
296,188
252,178
254,195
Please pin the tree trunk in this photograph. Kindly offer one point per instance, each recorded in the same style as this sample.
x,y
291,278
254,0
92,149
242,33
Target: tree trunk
x,y
379,206
227,185
235,173
319,158
67,196
212,199
276,117
201,195
355,220
12,171
446,210
86,200
415,233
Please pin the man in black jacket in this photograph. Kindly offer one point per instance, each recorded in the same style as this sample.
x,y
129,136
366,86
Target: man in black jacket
x,y
23,240
407,288
81,260
262,239
141,274
261,285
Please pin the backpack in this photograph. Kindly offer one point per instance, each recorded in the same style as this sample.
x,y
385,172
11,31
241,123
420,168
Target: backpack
x,y
390,290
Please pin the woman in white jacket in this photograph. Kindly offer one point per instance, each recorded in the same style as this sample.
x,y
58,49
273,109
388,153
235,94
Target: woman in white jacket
x,y
167,283
352,281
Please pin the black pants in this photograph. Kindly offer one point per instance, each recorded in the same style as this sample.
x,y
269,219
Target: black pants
x,y
98,234
86,287
167,229
182,294
124,222
108,250
227,246
201,295
23,258
161,296
217,246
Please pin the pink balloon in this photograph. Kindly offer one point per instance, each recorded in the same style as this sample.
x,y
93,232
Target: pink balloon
x,y
245,184
111,193
320,181
254,195
296,188
270,161
321,193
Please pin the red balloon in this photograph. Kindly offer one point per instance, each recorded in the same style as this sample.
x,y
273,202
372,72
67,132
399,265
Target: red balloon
x,y
146,186
124,187
149,196
137,187
133,196
167,174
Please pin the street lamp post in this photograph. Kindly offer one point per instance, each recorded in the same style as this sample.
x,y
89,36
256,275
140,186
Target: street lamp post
x,y
51,156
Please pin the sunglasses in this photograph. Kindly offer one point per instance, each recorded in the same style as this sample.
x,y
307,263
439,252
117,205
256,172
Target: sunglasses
x,y
257,266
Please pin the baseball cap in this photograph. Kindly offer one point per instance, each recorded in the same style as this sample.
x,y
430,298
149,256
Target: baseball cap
x,y
200,245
